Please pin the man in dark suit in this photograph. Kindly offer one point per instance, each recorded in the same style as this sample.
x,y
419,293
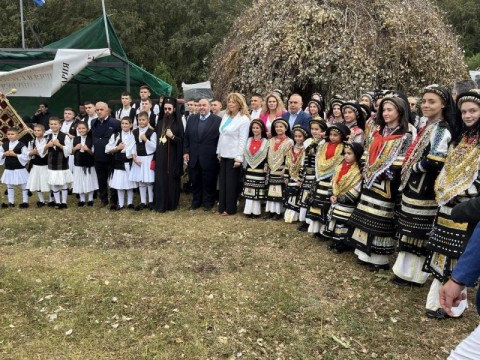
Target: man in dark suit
x,y
295,114
102,129
200,152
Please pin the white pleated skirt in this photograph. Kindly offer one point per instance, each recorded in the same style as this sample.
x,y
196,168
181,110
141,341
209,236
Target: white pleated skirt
x,y
60,177
84,180
38,179
14,177
119,179
142,173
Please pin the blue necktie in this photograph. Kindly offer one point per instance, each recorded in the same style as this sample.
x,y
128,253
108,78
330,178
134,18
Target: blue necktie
x,y
202,118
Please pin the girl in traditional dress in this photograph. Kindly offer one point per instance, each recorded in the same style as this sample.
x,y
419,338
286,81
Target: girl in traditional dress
x,y
315,109
38,176
273,108
423,162
373,218
59,148
254,188
458,182
294,162
278,146
14,155
346,187
307,172
84,176
117,146
328,157
141,149
334,115
354,119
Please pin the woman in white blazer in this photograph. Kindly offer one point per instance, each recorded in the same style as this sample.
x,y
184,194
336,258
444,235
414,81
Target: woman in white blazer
x,y
231,144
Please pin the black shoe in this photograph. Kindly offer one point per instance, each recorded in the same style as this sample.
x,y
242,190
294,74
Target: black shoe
x,y
4,206
81,204
268,215
113,207
130,206
40,204
120,207
363,263
64,206
208,208
23,206
90,203
319,237
150,206
140,207
249,216
303,227
276,216
439,314
51,204
401,282
376,268
58,206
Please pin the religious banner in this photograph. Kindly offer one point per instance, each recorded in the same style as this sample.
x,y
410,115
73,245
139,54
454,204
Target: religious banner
x,y
45,79
9,118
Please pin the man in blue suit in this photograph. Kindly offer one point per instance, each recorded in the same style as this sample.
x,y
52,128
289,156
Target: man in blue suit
x,y
295,114
200,152
465,273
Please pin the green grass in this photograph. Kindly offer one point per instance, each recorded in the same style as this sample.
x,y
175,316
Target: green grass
x,y
93,284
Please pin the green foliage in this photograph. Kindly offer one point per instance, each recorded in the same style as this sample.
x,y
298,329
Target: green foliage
x,y
464,15
177,36
473,62
161,71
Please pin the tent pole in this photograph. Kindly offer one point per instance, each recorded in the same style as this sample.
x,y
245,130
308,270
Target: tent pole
x,y
127,76
22,24
106,25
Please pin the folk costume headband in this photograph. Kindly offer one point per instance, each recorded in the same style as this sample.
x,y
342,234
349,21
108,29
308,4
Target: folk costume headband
x,y
469,96
322,123
299,127
438,90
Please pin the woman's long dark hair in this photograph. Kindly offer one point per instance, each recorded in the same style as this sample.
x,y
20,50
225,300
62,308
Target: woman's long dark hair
x,y
402,109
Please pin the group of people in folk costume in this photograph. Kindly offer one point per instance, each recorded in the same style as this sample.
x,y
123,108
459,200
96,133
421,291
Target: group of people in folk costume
x,y
376,187
90,156
369,178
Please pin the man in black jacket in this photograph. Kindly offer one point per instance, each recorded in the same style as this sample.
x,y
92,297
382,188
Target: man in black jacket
x,y
200,152
102,129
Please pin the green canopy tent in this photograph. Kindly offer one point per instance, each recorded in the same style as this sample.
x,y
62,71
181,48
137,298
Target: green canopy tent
x,y
102,80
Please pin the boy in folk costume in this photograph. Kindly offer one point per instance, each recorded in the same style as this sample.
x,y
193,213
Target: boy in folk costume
x,y
14,155
278,146
59,148
329,156
307,173
346,186
38,176
294,161
256,150
117,146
